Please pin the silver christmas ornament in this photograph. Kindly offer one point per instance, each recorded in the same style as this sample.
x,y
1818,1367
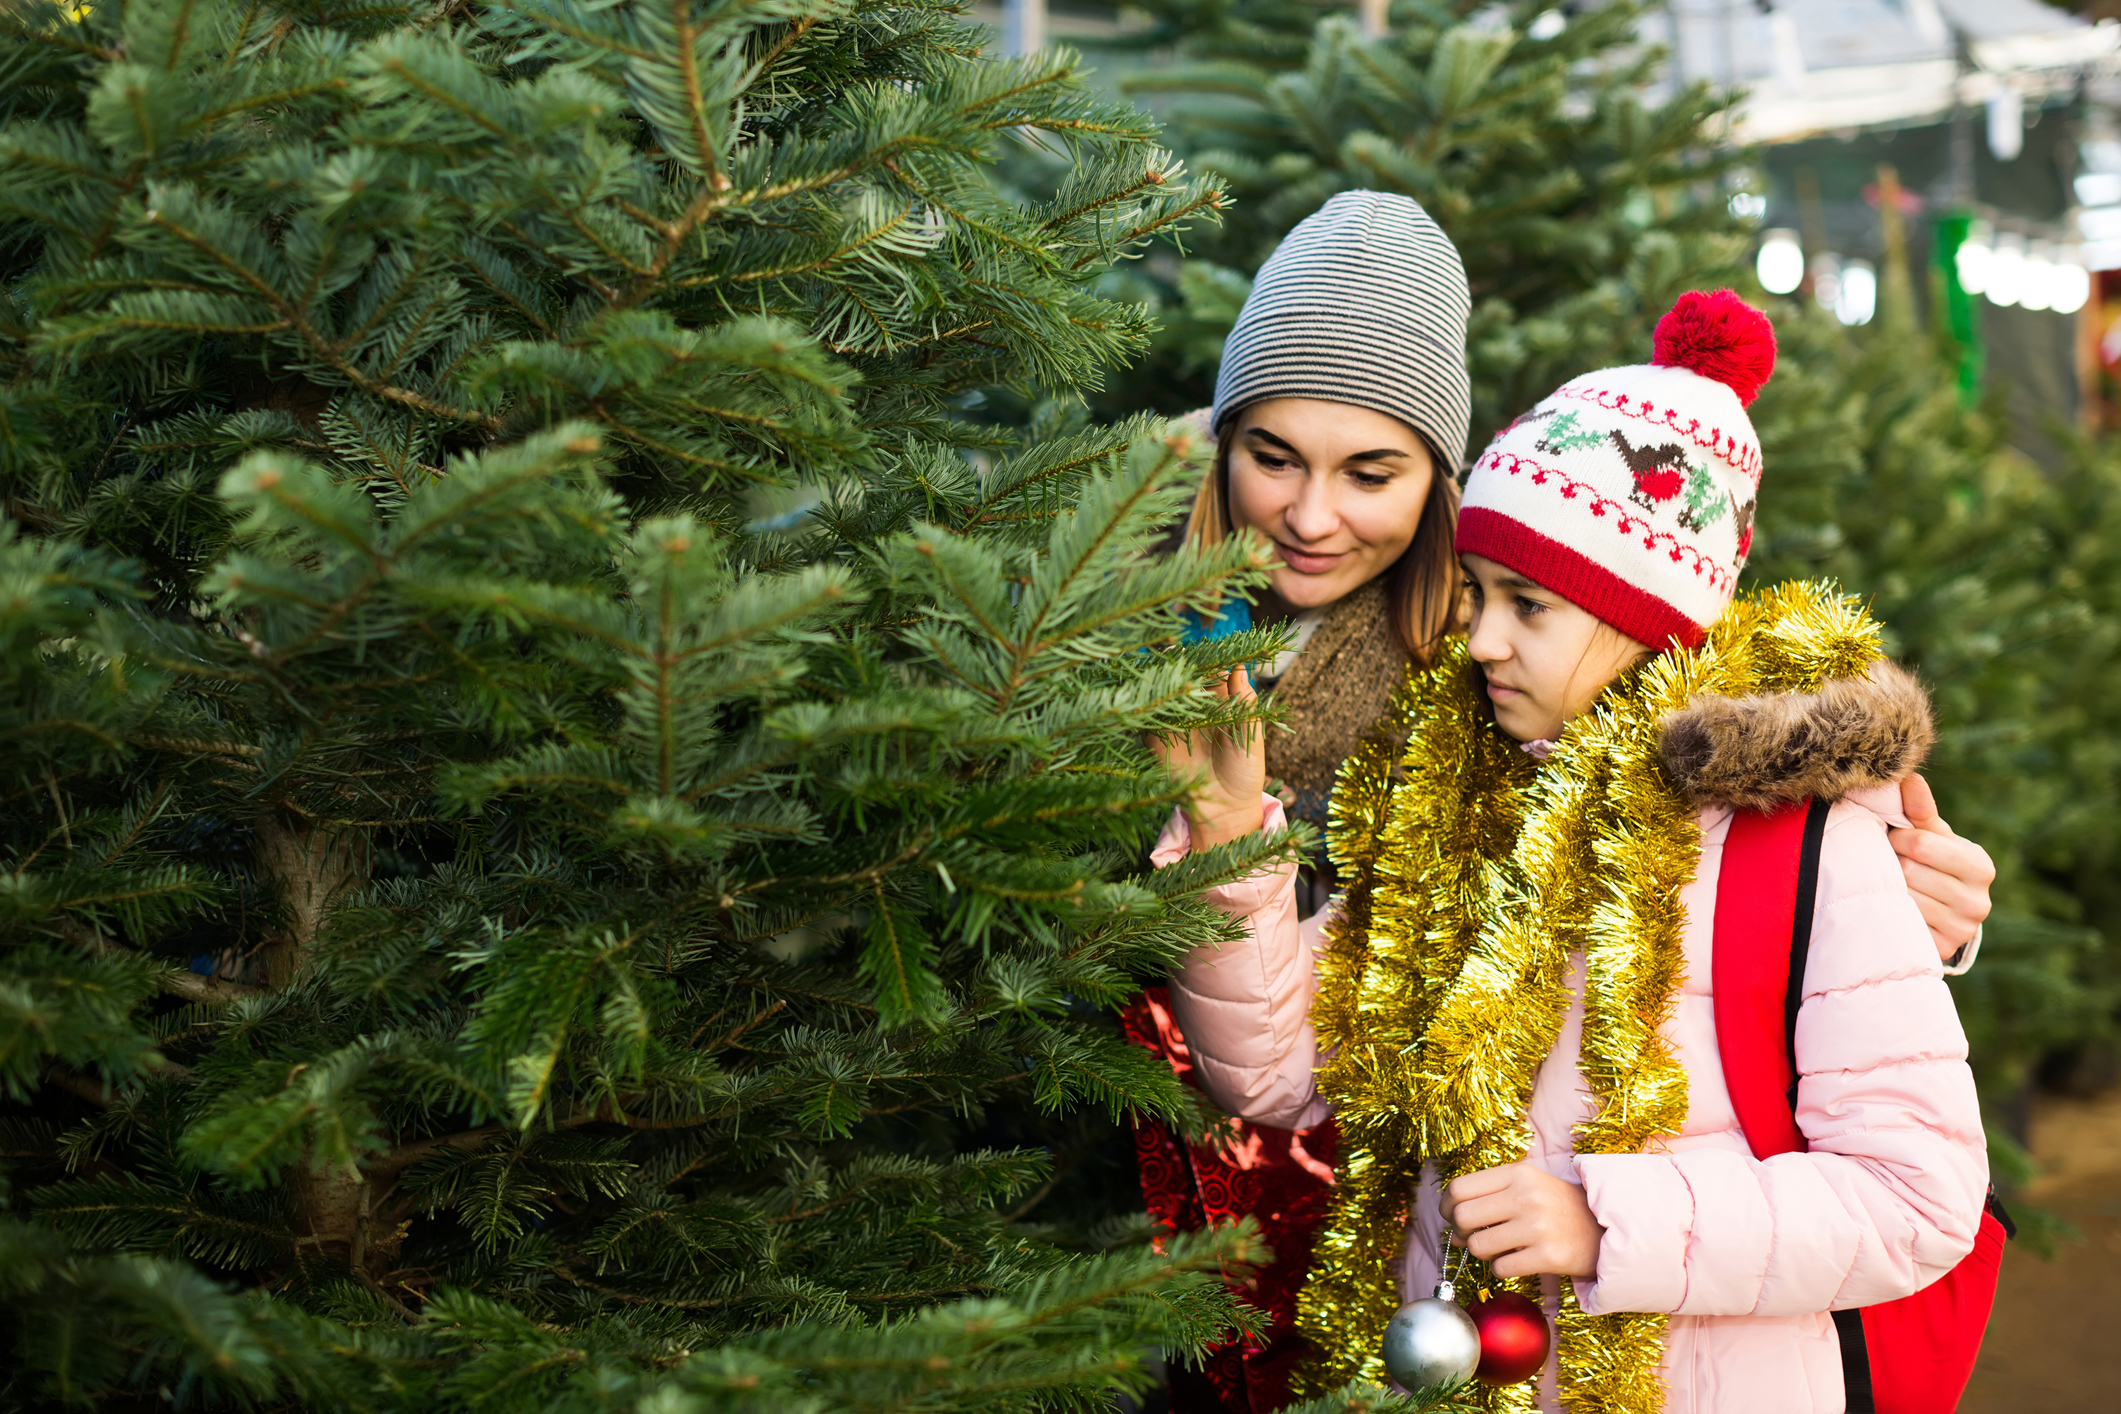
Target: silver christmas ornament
x,y
1433,1342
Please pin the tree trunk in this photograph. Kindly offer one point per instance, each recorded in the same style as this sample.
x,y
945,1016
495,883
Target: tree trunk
x,y
311,867
329,1208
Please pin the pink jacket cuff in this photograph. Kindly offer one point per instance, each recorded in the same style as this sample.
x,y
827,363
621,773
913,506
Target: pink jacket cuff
x,y
1177,839
1647,1212
1244,897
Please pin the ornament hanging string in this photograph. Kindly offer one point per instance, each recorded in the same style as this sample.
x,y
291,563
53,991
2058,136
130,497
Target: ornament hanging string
x,y
1448,1283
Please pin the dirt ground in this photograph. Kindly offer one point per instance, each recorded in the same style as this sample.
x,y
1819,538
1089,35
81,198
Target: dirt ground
x,y
2054,1343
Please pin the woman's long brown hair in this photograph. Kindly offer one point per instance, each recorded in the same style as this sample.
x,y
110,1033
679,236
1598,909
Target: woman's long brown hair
x,y
1423,587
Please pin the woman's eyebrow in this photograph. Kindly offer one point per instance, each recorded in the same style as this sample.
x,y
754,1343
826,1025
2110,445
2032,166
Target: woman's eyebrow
x,y
1378,455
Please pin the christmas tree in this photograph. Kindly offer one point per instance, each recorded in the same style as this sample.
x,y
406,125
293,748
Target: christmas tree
x,y
572,825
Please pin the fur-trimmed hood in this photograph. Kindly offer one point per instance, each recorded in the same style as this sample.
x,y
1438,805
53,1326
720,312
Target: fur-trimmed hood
x,y
1755,753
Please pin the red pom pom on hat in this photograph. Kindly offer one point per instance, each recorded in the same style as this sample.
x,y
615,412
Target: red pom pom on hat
x,y
1717,335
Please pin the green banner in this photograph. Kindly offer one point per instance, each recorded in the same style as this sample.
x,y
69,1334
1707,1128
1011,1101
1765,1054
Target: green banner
x,y
1958,309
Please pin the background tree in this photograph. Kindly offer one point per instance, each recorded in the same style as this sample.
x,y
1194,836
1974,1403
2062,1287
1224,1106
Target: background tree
x,y
1574,202
569,823
1997,579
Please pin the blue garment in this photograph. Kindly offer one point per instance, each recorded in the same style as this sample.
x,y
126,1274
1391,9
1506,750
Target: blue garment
x,y
1235,616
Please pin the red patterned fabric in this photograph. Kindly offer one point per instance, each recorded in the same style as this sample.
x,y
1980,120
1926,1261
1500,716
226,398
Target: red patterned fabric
x,y
1281,1177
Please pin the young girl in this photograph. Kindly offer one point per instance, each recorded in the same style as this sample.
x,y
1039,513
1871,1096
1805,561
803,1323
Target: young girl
x,y
1517,1007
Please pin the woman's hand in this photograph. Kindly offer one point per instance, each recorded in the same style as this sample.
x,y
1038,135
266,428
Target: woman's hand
x,y
1524,1221
1227,805
1948,876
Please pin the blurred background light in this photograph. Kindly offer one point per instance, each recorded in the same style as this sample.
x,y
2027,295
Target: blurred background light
x,y
2037,291
1976,253
1781,263
2006,124
1825,270
1857,299
2006,270
2099,188
2073,282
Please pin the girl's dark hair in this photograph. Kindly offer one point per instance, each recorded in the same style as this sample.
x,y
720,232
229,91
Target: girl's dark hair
x,y
1423,587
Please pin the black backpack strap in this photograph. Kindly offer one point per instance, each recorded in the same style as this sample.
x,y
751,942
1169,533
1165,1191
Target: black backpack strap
x,y
1801,929
1855,1363
1855,1354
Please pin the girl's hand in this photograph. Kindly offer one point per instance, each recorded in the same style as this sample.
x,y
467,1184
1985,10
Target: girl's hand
x,y
1227,805
1948,876
1524,1221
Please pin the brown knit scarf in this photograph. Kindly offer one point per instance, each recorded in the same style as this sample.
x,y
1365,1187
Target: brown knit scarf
x,y
1335,691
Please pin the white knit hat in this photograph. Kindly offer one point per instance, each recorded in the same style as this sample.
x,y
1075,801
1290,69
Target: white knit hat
x,y
1365,303
1630,491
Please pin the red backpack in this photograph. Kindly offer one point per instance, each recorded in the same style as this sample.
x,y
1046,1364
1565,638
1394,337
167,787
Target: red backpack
x,y
1911,1356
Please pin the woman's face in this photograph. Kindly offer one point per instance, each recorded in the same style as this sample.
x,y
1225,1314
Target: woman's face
x,y
1545,660
1338,489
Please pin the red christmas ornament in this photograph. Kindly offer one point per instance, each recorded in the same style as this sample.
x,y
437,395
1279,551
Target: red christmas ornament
x,y
1514,1338
1717,335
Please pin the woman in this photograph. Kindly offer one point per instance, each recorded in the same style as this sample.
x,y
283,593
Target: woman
x,y
1341,415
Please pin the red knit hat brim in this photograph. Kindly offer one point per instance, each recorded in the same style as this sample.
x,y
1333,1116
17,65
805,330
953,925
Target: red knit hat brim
x,y
1576,577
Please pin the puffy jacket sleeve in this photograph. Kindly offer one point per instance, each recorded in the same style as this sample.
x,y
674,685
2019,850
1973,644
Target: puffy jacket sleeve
x,y
1889,1195
1245,1008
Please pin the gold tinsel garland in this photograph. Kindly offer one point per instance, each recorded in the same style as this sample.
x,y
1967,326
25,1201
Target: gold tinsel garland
x,y
1472,873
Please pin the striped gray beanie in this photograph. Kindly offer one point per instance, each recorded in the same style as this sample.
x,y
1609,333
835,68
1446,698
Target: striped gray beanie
x,y
1365,303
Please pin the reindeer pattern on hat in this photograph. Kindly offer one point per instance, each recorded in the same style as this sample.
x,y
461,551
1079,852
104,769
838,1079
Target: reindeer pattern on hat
x,y
1662,472
1659,469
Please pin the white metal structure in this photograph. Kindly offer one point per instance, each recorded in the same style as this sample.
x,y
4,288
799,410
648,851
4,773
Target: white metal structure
x,y
1816,66
1023,26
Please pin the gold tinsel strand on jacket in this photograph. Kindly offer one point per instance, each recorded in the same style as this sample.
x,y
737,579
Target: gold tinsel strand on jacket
x,y
1472,873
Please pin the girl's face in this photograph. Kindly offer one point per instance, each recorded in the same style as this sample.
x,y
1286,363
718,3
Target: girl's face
x,y
1545,659
1337,489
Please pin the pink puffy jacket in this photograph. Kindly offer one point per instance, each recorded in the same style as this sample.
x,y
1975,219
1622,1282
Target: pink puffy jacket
x,y
1747,1256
